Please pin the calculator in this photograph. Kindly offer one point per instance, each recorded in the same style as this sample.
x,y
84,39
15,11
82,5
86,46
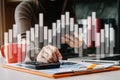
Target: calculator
x,y
40,65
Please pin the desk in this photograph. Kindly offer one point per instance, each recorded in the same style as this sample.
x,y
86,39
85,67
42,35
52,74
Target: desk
x,y
7,74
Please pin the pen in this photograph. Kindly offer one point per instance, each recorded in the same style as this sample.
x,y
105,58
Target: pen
x,y
92,66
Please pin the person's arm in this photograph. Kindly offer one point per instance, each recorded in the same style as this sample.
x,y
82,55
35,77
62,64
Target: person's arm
x,y
23,20
23,17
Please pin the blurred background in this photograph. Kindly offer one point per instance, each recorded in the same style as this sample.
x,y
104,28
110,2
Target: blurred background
x,y
104,9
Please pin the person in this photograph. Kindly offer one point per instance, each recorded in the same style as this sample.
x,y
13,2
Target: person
x,y
26,16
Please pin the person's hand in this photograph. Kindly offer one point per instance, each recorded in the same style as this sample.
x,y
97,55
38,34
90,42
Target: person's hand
x,y
74,42
49,54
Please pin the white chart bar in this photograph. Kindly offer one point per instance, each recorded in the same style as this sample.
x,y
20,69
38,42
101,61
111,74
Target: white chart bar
x,y
62,26
50,36
45,35
15,38
54,33
28,52
89,31
36,39
107,39
41,24
102,35
98,46
23,55
10,35
28,37
93,25
14,33
32,37
36,30
71,25
67,15
80,47
76,50
67,27
20,48
5,38
84,36
6,43
41,20
32,31
58,34
71,28
111,41
10,41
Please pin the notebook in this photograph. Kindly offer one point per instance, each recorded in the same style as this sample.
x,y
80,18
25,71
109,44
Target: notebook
x,y
66,69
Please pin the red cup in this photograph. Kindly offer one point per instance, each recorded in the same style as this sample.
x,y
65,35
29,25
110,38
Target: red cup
x,y
14,52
